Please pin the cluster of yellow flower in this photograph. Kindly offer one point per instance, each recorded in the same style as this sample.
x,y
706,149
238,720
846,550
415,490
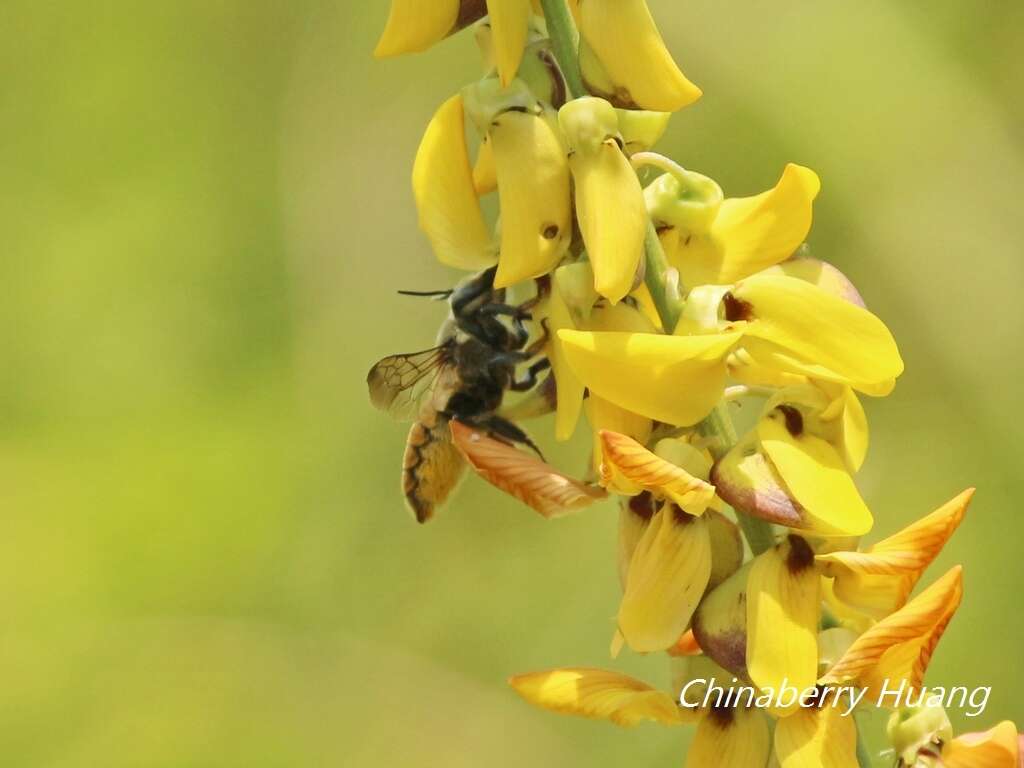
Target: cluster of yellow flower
x,y
669,300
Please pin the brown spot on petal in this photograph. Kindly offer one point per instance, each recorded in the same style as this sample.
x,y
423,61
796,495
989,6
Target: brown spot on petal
x,y
721,716
642,505
737,309
794,419
680,517
800,556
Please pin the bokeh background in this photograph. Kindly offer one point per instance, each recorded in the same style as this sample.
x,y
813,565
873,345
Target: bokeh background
x,y
204,558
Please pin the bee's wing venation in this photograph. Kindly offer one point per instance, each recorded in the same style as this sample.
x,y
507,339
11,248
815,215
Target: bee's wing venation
x,y
401,384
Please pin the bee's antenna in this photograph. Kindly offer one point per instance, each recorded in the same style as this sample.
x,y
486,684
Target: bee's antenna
x,y
435,294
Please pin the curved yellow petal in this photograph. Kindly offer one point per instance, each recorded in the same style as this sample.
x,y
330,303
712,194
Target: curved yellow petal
x,y
597,694
783,609
612,217
636,69
414,26
899,647
753,233
485,175
821,330
442,182
674,379
568,387
731,737
817,477
521,475
666,578
997,747
642,469
533,192
747,480
816,738
635,514
879,580
720,622
510,22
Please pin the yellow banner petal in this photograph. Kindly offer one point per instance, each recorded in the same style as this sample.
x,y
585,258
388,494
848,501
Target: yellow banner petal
x,y
635,514
998,747
783,609
624,455
533,192
766,357
667,576
612,217
674,379
900,646
752,233
732,737
820,273
821,329
816,738
597,694
817,477
510,22
637,70
414,26
878,580
519,474
442,182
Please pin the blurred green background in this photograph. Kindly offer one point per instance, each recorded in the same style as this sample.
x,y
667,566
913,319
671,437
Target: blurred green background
x,y
204,558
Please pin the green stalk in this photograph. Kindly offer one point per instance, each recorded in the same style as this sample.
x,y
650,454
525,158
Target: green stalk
x,y
566,41
666,299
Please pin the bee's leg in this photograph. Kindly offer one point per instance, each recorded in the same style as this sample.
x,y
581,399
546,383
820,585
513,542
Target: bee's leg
x,y
505,431
464,307
529,380
542,341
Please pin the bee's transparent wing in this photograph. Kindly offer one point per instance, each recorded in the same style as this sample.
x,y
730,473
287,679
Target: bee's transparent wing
x,y
400,384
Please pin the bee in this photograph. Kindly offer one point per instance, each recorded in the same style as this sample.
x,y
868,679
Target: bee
x,y
464,377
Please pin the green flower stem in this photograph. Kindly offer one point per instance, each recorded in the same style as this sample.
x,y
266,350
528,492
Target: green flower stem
x,y
566,41
656,270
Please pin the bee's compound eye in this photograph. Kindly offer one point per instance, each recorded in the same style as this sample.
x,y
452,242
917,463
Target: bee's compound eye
x,y
550,232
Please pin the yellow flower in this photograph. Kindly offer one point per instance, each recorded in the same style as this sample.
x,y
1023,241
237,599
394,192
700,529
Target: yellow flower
x,y
609,201
629,468
899,647
442,181
624,59
786,471
667,576
879,580
414,25
999,747
793,326
733,238
533,192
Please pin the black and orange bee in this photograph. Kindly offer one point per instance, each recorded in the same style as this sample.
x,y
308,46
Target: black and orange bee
x,y
465,377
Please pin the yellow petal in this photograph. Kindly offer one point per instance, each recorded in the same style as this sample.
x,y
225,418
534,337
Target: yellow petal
x,y
637,69
568,387
518,474
720,623
597,694
533,192
879,580
510,21
667,576
644,469
605,415
748,481
783,609
415,26
817,477
485,176
843,340
750,234
819,273
612,217
726,547
730,738
442,181
635,514
998,747
900,646
674,379
817,738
